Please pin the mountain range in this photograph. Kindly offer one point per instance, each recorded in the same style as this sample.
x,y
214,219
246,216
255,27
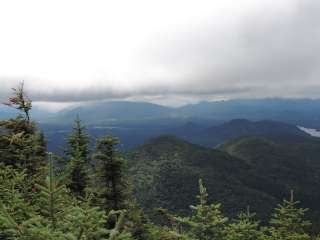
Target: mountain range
x,y
305,112
205,123
211,136
215,135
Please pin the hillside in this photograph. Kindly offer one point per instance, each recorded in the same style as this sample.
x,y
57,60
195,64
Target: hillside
x,y
165,172
273,130
248,171
280,167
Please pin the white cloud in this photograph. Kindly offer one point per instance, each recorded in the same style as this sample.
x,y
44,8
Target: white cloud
x,y
87,50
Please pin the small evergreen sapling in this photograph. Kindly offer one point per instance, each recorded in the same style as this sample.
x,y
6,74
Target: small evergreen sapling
x,y
207,221
288,223
244,227
52,194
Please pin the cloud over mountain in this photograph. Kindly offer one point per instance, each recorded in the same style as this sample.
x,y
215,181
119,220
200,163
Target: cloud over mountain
x,y
163,52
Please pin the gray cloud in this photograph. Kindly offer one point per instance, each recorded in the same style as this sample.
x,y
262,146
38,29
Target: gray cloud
x,y
259,54
270,55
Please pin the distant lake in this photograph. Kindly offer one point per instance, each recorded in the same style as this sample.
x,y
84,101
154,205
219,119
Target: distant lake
x,y
311,131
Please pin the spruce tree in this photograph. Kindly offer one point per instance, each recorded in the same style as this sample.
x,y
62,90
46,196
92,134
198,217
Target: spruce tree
x,y
78,142
52,194
112,185
207,221
288,223
244,227
78,159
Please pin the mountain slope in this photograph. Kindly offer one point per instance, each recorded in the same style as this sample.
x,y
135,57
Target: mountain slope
x,y
273,130
247,171
165,173
280,167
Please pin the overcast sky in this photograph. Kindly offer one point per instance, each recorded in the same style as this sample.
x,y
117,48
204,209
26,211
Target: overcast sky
x,y
168,51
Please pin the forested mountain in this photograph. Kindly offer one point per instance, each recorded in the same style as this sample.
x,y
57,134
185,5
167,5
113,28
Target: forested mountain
x,y
244,172
280,166
165,169
276,131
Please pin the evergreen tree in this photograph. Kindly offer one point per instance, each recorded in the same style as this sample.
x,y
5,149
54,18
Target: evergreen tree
x,y
20,143
55,216
112,185
288,223
78,142
20,101
78,159
77,172
207,222
244,227
52,194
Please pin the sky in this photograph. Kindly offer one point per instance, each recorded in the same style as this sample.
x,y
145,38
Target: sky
x,y
169,52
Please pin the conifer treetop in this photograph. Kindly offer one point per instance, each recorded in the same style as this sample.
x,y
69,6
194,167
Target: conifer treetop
x,y
20,101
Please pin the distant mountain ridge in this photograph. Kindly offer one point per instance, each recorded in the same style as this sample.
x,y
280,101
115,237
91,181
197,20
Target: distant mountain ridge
x,y
205,123
276,131
304,112
117,111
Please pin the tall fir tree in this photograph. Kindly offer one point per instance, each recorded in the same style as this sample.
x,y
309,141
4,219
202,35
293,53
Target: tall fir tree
x,y
78,158
79,141
112,184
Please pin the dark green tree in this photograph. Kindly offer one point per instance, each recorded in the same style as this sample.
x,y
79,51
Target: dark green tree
x,y
78,165
21,145
78,142
112,184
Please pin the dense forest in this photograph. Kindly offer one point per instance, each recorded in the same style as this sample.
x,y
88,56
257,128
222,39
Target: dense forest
x,y
95,193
